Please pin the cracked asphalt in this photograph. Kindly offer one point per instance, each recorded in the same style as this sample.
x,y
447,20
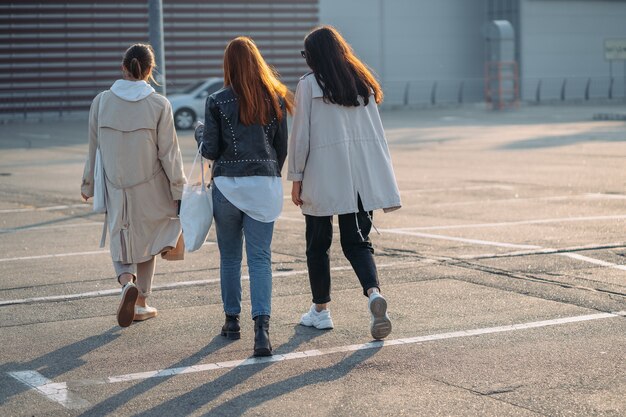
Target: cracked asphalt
x,y
505,274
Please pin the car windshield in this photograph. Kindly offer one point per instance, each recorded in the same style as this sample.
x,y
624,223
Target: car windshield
x,y
192,87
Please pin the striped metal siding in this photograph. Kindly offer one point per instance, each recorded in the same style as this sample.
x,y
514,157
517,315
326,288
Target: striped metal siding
x,y
56,55
196,33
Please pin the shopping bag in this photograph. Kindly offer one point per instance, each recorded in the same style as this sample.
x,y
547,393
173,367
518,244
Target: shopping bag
x,y
196,209
177,253
99,185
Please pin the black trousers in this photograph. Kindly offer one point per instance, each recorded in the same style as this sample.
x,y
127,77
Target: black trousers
x,y
356,246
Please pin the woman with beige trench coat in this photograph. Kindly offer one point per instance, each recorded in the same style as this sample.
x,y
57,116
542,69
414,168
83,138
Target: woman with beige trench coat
x,y
134,129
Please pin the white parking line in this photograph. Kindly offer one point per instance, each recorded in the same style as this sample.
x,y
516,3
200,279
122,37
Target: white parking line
x,y
54,227
593,261
602,196
544,251
54,255
173,285
540,249
587,196
50,208
65,255
90,224
54,391
515,223
468,188
58,391
460,239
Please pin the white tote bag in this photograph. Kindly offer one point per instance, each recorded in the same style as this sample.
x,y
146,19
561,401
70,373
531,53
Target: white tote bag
x,y
99,180
196,209
99,185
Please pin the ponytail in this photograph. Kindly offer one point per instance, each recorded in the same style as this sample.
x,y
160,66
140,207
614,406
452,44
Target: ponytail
x,y
139,61
135,69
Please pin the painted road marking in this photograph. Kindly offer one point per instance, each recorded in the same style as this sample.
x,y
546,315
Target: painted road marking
x,y
55,255
469,188
587,196
50,208
460,239
443,227
602,196
90,224
593,261
183,284
57,391
515,223
58,226
65,255
54,391
541,250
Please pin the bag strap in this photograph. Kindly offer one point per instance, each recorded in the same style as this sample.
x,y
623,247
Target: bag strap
x,y
100,117
105,225
193,166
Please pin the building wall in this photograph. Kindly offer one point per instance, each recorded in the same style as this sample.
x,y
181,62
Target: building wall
x,y
564,40
56,55
416,42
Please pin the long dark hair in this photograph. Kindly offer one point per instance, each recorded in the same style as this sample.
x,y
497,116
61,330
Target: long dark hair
x,y
337,70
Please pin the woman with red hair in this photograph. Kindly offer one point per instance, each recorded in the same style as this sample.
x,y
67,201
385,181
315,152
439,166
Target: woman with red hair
x,y
245,134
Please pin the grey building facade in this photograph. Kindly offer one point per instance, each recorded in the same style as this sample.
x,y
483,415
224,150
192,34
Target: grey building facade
x,y
418,47
56,55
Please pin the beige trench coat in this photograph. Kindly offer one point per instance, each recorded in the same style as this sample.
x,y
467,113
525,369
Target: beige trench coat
x,y
144,172
338,153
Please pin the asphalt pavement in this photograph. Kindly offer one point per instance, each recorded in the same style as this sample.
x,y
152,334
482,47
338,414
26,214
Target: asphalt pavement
x,y
505,275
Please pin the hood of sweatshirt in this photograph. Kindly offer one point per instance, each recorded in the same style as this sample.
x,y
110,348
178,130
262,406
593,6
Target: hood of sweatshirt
x,y
131,90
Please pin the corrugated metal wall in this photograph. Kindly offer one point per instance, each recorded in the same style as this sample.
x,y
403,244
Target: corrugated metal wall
x,y
56,55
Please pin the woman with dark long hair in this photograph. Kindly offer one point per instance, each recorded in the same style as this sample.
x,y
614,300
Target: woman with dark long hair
x,y
245,134
339,163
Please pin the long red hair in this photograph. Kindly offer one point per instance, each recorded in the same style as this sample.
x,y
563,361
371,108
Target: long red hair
x,y
254,82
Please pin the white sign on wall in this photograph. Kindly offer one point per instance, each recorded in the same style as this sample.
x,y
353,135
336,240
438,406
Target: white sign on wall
x,y
615,49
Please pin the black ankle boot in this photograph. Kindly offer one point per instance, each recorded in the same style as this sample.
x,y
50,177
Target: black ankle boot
x,y
262,345
231,329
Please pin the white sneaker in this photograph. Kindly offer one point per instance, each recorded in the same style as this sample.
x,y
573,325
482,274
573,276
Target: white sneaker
x,y
145,313
380,325
319,320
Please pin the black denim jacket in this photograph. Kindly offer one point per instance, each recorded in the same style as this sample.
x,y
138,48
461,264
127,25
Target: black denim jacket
x,y
239,150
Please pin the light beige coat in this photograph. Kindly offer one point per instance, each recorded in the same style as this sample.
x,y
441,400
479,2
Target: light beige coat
x,y
144,172
339,153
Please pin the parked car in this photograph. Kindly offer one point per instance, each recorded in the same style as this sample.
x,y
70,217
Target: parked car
x,y
188,106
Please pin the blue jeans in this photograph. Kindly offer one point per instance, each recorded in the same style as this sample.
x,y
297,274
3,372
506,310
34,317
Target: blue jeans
x,y
231,225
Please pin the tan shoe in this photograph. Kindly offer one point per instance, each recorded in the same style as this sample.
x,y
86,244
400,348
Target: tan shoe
x,y
145,313
125,311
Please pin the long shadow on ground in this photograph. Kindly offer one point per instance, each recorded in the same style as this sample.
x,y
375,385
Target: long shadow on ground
x,y
200,396
53,364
